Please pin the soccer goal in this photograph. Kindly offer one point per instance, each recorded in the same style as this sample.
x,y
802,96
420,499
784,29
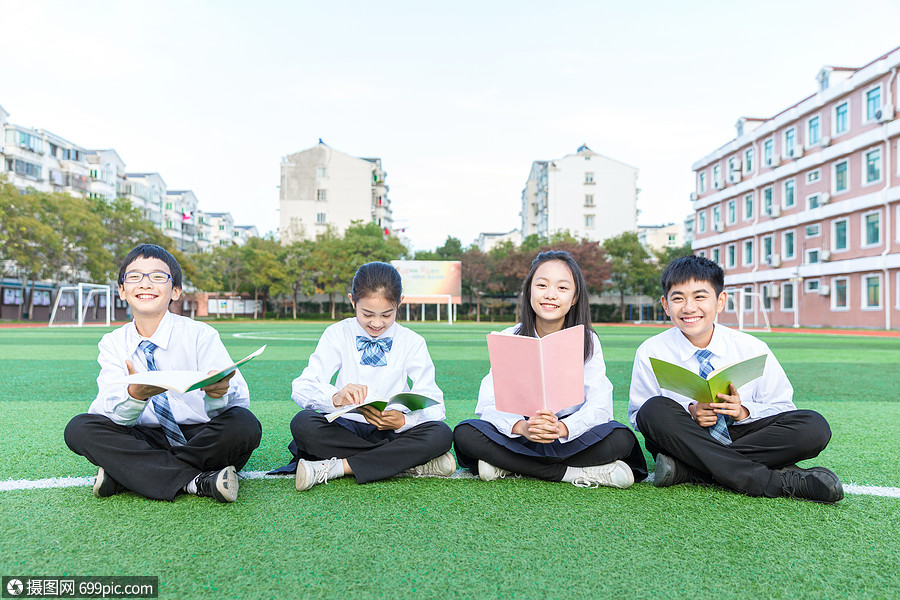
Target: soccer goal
x,y
744,304
82,304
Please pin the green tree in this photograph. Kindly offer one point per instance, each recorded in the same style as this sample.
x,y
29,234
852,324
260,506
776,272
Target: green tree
x,y
299,270
264,268
632,270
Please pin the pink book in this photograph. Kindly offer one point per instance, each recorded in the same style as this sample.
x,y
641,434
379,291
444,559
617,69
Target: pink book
x,y
534,373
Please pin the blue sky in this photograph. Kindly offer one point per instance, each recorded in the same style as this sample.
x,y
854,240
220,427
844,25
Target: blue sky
x,y
457,99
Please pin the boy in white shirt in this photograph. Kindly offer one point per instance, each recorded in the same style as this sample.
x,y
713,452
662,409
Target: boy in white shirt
x,y
752,439
146,439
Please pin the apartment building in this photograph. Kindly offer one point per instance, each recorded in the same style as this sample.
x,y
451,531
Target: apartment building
x,y
659,237
801,209
321,186
486,241
147,192
591,196
180,219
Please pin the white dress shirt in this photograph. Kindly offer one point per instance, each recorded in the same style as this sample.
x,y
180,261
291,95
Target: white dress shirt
x,y
182,344
336,352
768,395
596,409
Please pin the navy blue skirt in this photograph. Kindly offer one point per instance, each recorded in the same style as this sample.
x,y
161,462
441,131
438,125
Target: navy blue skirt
x,y
556,451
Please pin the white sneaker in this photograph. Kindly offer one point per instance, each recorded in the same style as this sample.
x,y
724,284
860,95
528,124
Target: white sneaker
x,y
442,466
488,472
311,472
615,474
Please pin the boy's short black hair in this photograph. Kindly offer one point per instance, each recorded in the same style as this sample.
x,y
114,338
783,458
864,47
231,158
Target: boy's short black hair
x,y
152,251
698,268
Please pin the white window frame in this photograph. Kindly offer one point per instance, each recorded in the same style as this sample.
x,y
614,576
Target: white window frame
x,y
701,182
716,215
862,228
748,160
809,141
715,255
321,195
763,209
589,178
763,257
808,253
748,298
865,119
730,256
730,303
768,150
717,177
834,120
834,295
813,176
748,198
783,297
834,223
731,211
811,285
747,258
701,225
864,291
809,235
784,193
589,221
865,166
786,145
834,170
817,196
784,254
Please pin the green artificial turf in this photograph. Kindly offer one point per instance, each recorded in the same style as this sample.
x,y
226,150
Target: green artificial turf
x,y
431,538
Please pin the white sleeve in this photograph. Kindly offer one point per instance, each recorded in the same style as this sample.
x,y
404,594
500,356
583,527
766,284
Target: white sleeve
x,y
598,401
420,369
644,386
313,389
112,399
487,409
770,395
213,356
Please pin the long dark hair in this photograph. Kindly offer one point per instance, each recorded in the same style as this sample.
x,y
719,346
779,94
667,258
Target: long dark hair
x,y
579,314
377,278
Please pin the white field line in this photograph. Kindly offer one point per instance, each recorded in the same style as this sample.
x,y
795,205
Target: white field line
x,y
64,482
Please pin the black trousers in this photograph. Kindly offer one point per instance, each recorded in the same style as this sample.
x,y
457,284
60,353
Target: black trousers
x,y
747,465
617,445
372,454
141,458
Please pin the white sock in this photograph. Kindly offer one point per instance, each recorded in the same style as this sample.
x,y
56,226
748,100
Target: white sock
x,y
191,487
572,473
336,470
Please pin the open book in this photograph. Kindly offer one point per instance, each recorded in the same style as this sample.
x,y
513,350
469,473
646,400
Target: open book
x,y
407,399
185,381
531,374
690,384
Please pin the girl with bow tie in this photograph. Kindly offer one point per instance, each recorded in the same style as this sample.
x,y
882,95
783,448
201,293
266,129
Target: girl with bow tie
x,y
374,358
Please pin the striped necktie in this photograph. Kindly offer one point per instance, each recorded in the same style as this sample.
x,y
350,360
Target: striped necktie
x,y
719,431
373,351
160,402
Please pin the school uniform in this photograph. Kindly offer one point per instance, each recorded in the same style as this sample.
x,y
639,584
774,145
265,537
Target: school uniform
x,y
595,438
123,434
775,434
372,454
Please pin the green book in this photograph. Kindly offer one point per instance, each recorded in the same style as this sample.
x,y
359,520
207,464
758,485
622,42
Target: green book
x,y
690,384
408,399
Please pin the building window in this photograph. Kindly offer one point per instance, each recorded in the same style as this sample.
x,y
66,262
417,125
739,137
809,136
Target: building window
x,y
730,256
873,103
320,218
671,239
789,193
841,118
768,151
748,207
811,285
871,291
168,206
840,177
790,142
839,290
715,256
873,166
871,233
812,230
732,211
812,256
813,176
729,303
748,252
25,169
813,132
588,199
748,160
321,195
321,172
589,221
766,249
702,222
787,297
767,296
717,177
787,245
839,239
716,217
812,201
748,298
589,178
767,200
702,182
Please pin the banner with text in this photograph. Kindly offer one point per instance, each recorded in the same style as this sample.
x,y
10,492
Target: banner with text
x,y
430,281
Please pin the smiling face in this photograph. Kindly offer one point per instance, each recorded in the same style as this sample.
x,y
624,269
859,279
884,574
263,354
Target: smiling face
x,y
693,306
552,295
375,313
148,300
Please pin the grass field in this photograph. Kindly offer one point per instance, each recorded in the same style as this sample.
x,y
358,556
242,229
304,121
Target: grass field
x,y
460,538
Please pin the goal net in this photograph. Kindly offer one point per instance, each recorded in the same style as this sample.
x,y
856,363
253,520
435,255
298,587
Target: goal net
x,y
82,304
745,310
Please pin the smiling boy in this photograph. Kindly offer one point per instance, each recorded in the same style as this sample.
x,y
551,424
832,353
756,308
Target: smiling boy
x,y
154,442
752,439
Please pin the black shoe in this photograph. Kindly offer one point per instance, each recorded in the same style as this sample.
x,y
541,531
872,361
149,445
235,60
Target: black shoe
x,y
671,471
817,484
221,485
105,486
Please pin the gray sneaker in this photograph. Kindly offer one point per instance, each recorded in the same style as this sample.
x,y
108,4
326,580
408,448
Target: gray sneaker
x,y
222,485
442,466
309,473
615,474
488,472
817,484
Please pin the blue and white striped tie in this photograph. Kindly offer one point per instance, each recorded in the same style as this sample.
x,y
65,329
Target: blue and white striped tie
x,y
719,431
160,402
373,351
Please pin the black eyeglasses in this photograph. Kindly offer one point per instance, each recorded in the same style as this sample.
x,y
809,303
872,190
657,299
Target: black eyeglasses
x,y
155,277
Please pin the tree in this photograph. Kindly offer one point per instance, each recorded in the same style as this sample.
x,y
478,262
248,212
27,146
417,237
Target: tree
x,y
299,270
632,269
264,269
